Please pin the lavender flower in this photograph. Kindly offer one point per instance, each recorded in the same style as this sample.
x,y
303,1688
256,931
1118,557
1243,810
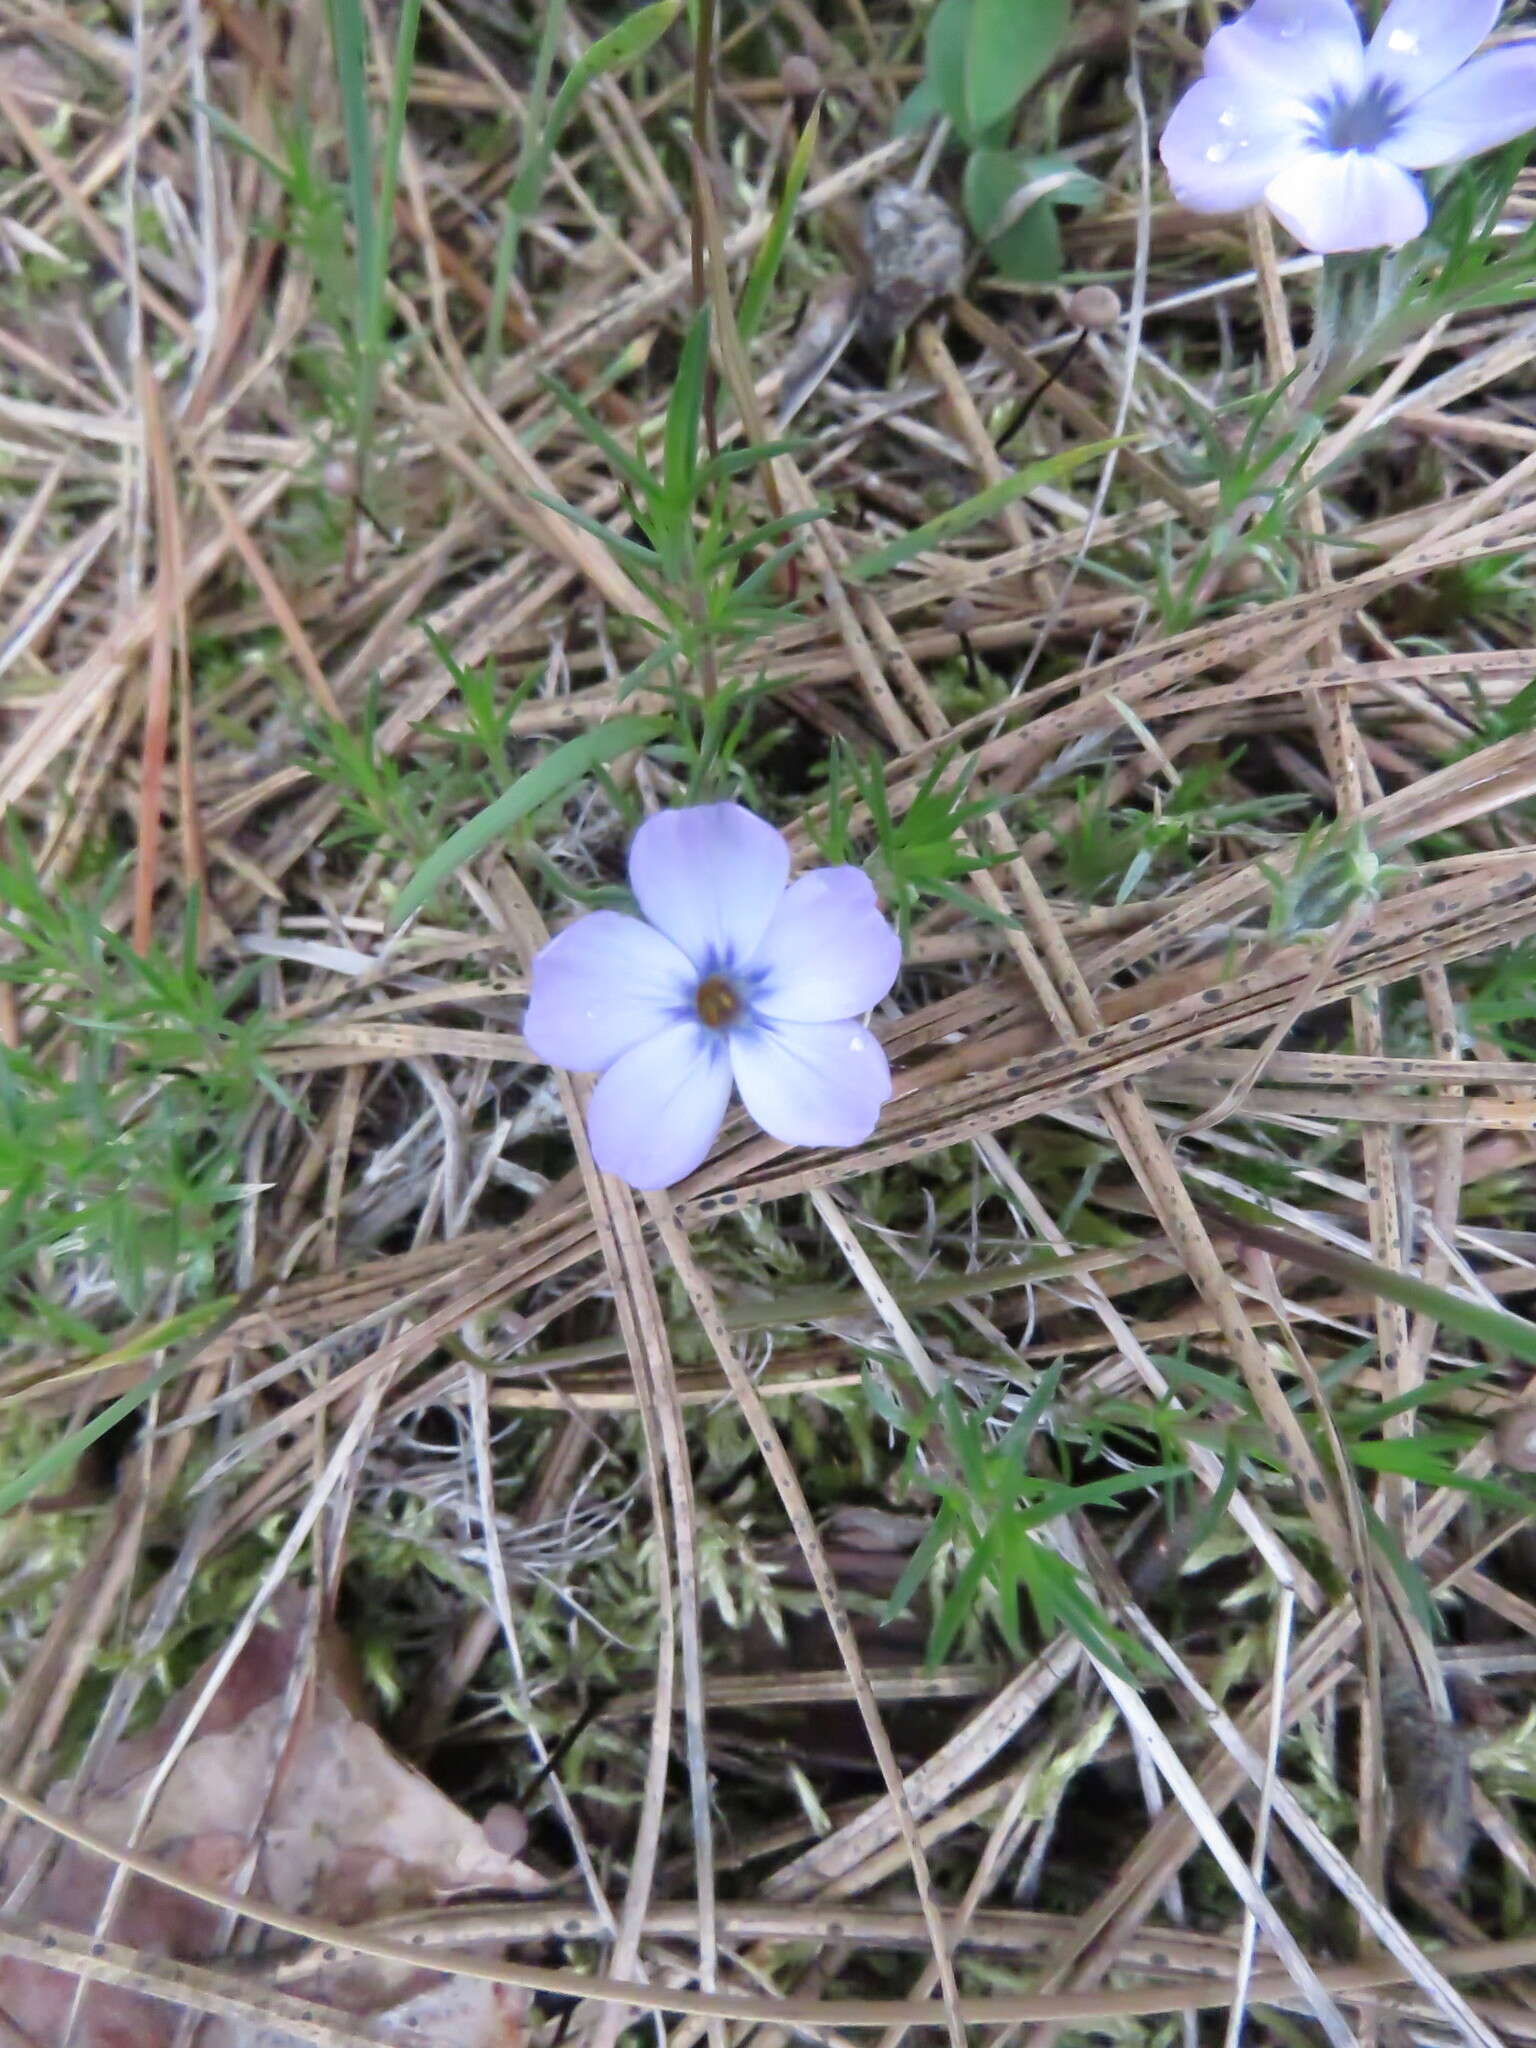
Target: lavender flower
x,y
1295,110
732,978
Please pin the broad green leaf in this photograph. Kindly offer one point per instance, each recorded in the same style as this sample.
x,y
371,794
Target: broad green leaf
x,y
937,532
948,34
550,778
920,106
1008,44
992,177
1030,251
1025,246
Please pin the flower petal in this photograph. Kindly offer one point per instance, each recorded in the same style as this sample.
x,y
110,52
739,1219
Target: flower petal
x,y
602,985
710,877
812,1084
1420,42
1225,141
1298,49
654,1114
1489,101
1332,202
828,953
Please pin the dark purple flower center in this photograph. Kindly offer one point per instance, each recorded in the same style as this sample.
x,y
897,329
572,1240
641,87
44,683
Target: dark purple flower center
x,y
718,1002
1363,121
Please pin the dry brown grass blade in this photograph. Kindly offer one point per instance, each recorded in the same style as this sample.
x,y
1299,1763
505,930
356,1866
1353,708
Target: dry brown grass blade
x,y
621,1241
69,709
782,1472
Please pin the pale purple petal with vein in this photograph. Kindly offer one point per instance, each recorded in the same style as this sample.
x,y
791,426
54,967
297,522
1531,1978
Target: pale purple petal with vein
x,y
812,1084
654,1114
599,987
1225,141
710,877
1353,201
1420,42
1488,102
828,952
1302,47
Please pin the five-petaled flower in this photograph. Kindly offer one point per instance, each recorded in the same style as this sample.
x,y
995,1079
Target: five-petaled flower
x,y
1297,111
732,977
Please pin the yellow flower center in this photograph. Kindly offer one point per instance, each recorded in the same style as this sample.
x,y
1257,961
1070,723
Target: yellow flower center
x,y
717,1002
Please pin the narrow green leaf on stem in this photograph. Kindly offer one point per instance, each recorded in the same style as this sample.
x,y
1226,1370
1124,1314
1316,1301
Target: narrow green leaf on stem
x,y
197,1324
611,52
556,773
765,267
1495,1327
372,212
936,532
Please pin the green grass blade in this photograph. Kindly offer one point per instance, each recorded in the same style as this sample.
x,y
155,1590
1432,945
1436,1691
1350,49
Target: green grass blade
x,y
760,279
532,163
1495,1327
622,45
389,169
552,776
936,532
685,414
200,1324
349,43
372,212
633,471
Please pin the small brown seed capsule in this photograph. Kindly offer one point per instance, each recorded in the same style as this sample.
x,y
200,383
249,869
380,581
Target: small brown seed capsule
x,y
961,615
340,477
800,76
1095,307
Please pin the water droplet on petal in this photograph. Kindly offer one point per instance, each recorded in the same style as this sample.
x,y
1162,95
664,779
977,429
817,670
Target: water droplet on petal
x,y
1227,118
1218,153
1403,43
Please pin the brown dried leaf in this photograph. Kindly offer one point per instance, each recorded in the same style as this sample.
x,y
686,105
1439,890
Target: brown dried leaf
x,y
334,1824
